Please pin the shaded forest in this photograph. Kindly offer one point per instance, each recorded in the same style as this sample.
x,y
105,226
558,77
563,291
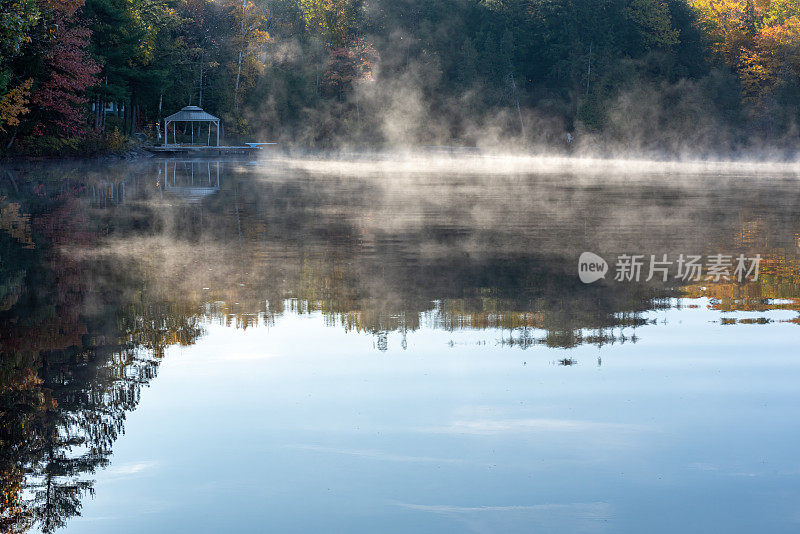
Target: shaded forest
x,y
644,76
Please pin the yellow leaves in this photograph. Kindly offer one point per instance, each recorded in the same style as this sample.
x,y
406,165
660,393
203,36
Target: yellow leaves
x,y
15,223
774,48
785,35
149,18
13,104
779,11
253,21
756,73
725,21
756,39
333,19
654,22
260,37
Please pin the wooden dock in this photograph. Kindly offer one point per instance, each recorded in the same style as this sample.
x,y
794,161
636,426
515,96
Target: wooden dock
x,y
200,150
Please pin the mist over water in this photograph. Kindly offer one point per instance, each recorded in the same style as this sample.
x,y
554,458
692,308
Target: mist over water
x,y
395,342
470,160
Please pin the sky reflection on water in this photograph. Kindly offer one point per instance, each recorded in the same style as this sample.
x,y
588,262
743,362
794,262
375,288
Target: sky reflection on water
x,y
691,429
302,351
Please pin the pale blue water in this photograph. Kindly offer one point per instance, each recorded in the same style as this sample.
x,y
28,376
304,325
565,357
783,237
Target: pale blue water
x,y
414,352
692,429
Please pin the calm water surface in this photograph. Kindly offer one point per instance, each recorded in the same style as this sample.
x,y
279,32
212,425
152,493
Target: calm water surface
x,y
306,346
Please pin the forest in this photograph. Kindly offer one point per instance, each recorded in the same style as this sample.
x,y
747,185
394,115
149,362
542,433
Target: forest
x,y
700,77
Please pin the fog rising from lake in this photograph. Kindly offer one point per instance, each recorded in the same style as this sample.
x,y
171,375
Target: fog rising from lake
x,y
398,343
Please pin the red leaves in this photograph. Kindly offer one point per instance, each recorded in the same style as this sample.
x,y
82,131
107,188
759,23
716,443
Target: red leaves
x,y
351,63
61,96
62,8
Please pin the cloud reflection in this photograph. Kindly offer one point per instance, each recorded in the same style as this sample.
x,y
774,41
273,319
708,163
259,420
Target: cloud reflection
x,y
376,454
499,426
563,517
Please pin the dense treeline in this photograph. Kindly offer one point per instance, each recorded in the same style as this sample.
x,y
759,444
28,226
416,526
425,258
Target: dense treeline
x,y
644,75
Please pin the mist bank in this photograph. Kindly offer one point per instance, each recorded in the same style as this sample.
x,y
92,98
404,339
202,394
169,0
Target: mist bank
x,y
591,78
365,245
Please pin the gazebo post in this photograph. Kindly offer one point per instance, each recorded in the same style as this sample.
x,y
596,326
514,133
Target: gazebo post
x,y
217,123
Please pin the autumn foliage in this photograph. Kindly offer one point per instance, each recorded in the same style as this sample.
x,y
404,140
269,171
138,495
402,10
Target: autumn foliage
x,y
13,105
759,41
61,94
72,72
350,63
48,71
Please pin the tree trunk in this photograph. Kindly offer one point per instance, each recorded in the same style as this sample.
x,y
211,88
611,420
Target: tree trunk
x,y
358,111
13,136
202,62
11,179
238,75
239,64
589,67
516,100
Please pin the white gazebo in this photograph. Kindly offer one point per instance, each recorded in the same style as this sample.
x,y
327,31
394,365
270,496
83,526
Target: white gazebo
x,y
192,114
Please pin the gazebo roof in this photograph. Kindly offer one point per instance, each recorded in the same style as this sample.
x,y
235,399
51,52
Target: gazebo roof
x,y
191,114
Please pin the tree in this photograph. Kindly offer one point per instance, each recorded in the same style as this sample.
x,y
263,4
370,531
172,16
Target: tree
x,y
759,42
254,21
60,98
13,105
17,19
334,20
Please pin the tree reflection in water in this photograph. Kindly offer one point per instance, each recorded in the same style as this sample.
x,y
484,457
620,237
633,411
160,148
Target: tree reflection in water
x,y
102,268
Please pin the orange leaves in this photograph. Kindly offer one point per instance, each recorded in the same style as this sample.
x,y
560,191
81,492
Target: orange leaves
x,y
725,21
782,38
757,40
13,104
774,48
756,71
351,63
15,223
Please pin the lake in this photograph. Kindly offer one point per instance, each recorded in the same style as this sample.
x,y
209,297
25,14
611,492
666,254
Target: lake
x,y
399,344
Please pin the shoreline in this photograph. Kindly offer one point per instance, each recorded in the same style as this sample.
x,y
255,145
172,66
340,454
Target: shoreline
x,y
543,158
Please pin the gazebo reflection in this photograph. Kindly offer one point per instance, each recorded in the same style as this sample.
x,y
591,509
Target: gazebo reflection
x,y
191,180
